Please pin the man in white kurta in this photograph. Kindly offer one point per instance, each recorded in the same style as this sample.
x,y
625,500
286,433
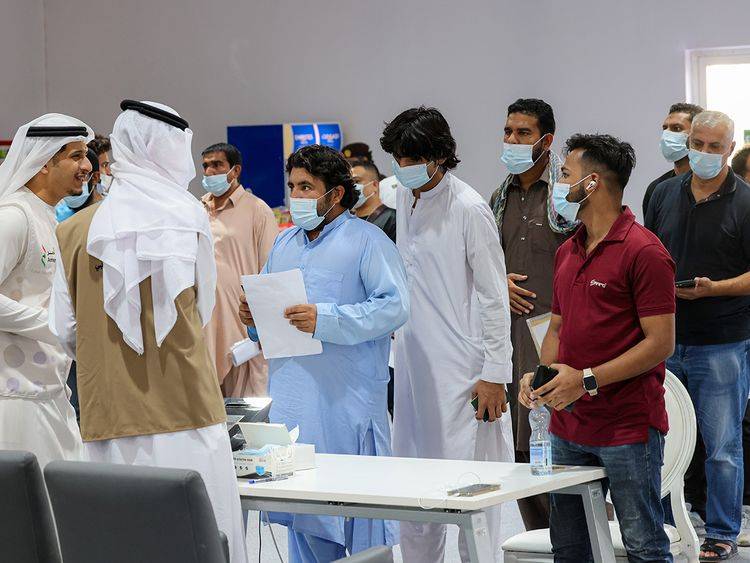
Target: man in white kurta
x,y
456,343
46,162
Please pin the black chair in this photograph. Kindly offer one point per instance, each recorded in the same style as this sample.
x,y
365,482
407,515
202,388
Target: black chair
x,y
27,530
128,514
380,554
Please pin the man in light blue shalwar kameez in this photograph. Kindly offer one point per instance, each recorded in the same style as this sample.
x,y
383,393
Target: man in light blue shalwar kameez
x,y
356,287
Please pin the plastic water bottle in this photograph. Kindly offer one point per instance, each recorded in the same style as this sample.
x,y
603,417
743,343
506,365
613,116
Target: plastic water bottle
x,y
540,447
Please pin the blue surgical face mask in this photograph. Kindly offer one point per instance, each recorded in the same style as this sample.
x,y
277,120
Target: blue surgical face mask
x,y
62,212
362,197
413,177
519,158
705,165
305,212
216,184
568,210
674,145
76,201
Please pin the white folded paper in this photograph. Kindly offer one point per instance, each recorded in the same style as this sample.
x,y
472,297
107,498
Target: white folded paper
x,y
243,351
268,296
538,327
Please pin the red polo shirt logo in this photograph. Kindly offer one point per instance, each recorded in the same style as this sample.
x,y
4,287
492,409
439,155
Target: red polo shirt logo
x,y
601,298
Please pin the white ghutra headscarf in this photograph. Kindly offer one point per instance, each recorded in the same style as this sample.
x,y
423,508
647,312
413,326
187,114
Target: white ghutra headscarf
x,y
30,152
150,226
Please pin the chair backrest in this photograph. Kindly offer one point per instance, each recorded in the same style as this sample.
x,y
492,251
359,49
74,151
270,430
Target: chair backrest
x,y
679,442
27,530
380,554
123,513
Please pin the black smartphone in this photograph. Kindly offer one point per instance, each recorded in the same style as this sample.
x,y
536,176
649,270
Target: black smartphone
x,y
685,284
475,404
542,376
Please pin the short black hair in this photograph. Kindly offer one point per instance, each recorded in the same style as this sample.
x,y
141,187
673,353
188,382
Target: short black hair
x,y
605,154
420,133
691,109
231,153
328,165
739,161
366,164
536,108
100,144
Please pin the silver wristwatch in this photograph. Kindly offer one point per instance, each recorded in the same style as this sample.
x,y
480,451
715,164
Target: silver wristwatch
x,y
589,382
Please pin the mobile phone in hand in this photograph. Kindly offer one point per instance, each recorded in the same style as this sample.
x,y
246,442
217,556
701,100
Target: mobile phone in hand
x,y
685,284
475,404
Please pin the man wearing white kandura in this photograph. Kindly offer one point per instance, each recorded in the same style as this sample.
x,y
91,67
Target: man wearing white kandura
x,y
456,343
134,287
46,162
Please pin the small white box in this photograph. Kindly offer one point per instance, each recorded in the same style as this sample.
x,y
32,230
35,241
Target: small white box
x,y
304,456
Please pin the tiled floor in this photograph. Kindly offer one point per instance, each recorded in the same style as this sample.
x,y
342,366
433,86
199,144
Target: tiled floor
x,y
511,525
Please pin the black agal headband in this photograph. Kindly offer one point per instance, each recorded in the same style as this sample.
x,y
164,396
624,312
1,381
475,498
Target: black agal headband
x,y
57,131
155,113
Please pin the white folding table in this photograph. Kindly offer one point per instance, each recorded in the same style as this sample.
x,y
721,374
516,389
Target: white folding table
x,y
414,490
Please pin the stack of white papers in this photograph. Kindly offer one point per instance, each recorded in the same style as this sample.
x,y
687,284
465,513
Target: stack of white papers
x,y
268,296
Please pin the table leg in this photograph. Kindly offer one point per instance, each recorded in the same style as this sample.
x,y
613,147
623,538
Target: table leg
x,y
474,526
598,524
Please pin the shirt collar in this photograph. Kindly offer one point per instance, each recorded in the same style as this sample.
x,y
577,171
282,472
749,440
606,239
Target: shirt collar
x,y
515,180
434,192
237,194
727,187
234,198
617,232
340,220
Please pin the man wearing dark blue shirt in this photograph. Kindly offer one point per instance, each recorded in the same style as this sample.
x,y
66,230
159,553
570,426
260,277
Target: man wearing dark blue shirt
x,y
703,219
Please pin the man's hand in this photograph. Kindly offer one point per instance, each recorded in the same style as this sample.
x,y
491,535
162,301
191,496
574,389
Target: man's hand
x,y
245,315
704,288
524,391
564,389
491,400
518,304
304,317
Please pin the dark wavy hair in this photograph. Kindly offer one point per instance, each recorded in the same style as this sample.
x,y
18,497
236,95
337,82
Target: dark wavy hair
x,y
100,144
420,133
328,165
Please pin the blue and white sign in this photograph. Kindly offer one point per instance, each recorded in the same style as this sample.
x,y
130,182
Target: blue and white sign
x,y
328,134
304,134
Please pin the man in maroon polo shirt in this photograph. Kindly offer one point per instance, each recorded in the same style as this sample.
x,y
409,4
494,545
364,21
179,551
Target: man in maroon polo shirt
x,y
612,328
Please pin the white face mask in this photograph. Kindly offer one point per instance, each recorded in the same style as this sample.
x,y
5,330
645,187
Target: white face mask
x,y
105,181
362,197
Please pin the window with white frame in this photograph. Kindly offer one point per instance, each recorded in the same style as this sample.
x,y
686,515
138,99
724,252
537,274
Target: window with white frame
x,y
719,79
